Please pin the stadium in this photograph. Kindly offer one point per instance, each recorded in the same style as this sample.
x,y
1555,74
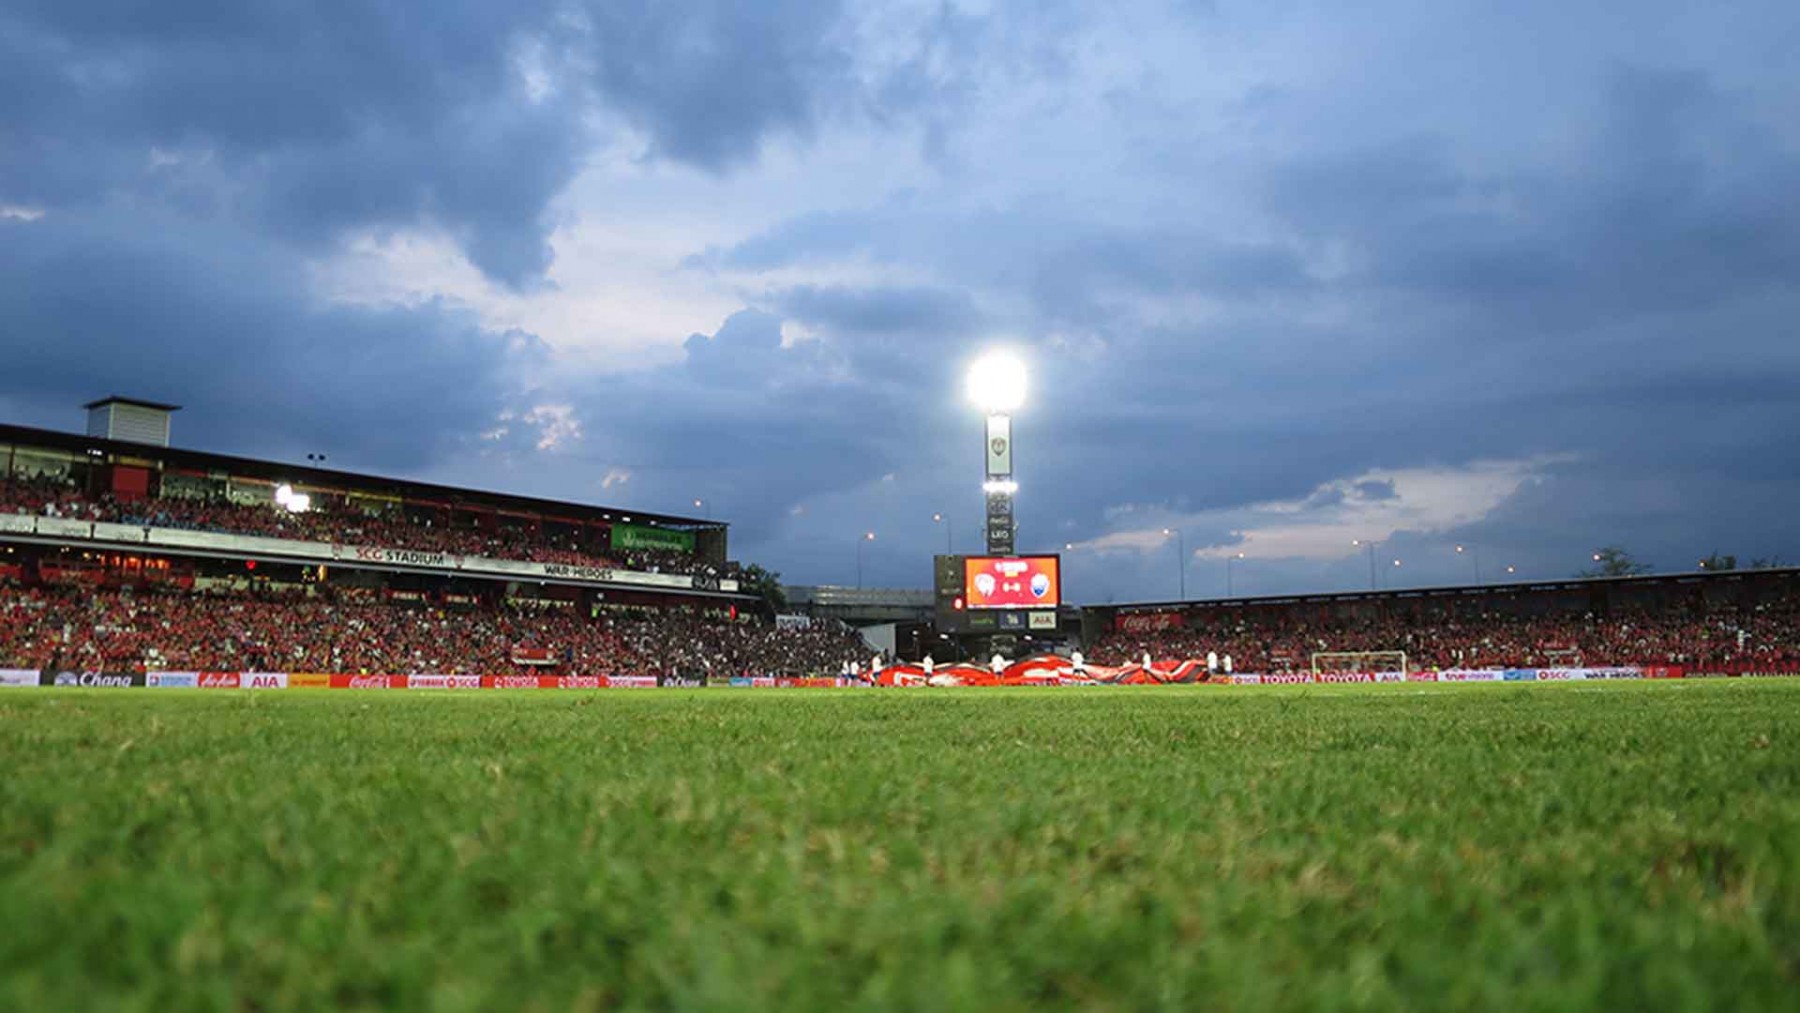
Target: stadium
x,y
936,505
130,564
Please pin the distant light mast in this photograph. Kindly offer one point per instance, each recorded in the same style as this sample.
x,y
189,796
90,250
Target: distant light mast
x,y
996,384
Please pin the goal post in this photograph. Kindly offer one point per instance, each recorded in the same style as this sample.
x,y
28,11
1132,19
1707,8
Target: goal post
x,y
1358,661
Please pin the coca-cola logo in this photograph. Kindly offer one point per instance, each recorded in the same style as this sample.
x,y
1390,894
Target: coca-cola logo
x,y
1148,622
368,682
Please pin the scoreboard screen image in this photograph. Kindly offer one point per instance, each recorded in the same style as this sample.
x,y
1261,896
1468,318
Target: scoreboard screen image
x,y
1014,582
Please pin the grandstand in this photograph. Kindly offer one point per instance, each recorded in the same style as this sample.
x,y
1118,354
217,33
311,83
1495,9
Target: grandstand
x,y
130,555
1730,622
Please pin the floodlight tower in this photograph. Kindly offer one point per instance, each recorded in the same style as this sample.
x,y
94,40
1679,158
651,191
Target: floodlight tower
x,y
997,386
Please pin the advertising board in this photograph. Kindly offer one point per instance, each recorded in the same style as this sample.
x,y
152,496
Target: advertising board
x,y
172,680
436,681
90,680
995,582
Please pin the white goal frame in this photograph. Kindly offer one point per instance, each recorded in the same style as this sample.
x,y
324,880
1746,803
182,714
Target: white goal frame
x,y
1327,661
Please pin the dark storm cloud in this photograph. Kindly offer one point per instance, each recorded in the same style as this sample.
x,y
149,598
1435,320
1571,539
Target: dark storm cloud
x,y
1376,491
137,305
187,158
1628,305
710,80
316,119
913,310
1255,258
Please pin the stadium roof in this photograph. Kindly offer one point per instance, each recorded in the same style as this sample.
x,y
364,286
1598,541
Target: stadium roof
x,y
139,402
311,474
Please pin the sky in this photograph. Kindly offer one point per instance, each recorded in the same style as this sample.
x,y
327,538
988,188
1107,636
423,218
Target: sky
x,y
1521,277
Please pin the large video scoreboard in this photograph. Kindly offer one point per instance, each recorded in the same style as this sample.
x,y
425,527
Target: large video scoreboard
x,y
997,594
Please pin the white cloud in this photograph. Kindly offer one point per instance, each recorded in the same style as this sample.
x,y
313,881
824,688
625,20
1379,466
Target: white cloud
x,y
1324,524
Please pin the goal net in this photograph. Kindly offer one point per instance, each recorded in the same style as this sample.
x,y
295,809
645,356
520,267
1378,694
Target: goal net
x,y
1355,662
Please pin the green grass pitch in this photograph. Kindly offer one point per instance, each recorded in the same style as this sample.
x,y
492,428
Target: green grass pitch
x,y
1617,846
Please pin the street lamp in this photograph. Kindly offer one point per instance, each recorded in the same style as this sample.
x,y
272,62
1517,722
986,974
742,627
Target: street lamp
x,y
944,519
1371,547
996,383
1181,542
1474,554
1229,560
868,536
703,504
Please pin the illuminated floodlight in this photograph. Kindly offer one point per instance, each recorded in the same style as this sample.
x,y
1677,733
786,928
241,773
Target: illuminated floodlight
x,y
293,502
1005,485
997,382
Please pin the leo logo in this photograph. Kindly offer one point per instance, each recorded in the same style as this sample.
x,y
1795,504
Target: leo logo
x,y
997,445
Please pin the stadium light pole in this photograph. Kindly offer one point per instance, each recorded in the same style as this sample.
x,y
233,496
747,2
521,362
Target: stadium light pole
x,y
1181,543
868,536
996,383
1475,554
1229,560
1396,566
1371,547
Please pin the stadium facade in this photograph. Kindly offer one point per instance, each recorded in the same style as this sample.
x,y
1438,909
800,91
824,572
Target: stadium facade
x,y
142,513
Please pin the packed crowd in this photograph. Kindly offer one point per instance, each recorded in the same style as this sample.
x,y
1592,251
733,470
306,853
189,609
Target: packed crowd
x,y
1765,637
331,521
690,642
79,628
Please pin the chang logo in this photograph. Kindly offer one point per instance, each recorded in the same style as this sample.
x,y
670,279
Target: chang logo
x,y
1040,585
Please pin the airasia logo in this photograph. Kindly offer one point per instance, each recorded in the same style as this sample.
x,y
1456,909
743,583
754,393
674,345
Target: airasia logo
x,y
220,680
